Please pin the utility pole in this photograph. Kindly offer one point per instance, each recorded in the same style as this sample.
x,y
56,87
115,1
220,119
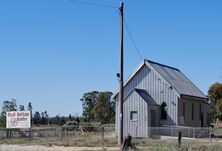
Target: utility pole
x,y
120,137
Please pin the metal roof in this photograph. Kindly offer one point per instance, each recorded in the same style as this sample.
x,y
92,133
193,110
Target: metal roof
x,y
177,80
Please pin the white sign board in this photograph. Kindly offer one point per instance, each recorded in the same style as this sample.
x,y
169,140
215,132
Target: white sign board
x,y
18,119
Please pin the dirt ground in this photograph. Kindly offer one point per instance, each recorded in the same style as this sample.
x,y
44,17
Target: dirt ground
x,y
52,148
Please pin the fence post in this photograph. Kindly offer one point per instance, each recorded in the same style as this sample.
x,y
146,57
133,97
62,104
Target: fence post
x,y
193,132
148,134
136,131
30,134
171,133
188,133
54,131
102,128
210,133
60,135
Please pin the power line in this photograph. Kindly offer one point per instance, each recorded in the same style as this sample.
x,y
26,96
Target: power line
x,y
131,38
112,6
93,4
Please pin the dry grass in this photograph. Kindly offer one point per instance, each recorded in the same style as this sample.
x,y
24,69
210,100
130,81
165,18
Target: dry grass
x,y
90,139
75,140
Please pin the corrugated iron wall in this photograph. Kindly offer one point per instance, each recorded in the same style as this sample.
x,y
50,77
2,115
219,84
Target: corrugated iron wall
x,y
148,79
136,128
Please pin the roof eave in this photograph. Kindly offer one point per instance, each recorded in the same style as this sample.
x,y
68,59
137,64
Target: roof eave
x,y
131,76
205,99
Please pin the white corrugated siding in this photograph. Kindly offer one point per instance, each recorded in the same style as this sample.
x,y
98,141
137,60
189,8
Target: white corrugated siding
x,y
149,79
135,128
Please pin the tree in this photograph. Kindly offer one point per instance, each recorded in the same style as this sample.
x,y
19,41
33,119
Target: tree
x,y
29,106
104,107
88,103
98,106
62,121
46,118
7,106
219,105
215,95
42,121
36,118
70,117
77,119
21,108
56,120
215,92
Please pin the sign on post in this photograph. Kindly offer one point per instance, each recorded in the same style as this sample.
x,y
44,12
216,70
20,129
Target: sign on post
x,y
18,119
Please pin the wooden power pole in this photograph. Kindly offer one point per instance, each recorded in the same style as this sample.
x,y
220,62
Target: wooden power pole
x,y
120,137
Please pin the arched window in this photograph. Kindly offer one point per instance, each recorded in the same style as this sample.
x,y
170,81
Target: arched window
x,y
163,111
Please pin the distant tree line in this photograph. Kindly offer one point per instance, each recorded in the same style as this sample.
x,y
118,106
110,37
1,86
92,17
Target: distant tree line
x,y
98,107
38,118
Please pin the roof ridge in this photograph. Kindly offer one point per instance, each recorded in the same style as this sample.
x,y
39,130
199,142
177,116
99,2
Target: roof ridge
x,y
162,65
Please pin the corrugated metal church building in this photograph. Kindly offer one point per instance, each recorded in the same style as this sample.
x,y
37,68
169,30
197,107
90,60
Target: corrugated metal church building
x,y
158,95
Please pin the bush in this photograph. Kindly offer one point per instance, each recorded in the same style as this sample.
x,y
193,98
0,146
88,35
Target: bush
x,y
71,125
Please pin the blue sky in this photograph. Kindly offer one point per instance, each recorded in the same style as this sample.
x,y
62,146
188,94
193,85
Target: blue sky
x,y
53,51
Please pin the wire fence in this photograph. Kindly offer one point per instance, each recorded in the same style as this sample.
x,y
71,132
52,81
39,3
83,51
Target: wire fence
x,y
188,132
67,136
103,136
170,135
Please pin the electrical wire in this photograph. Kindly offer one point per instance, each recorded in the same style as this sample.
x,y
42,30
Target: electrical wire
x,y
110,6
93,4
133,41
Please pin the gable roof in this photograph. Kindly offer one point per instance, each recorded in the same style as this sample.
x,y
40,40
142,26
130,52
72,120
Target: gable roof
x,y
173,76
177,80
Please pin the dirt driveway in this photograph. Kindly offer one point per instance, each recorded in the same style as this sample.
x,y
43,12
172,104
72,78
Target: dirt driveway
x,y
52,148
